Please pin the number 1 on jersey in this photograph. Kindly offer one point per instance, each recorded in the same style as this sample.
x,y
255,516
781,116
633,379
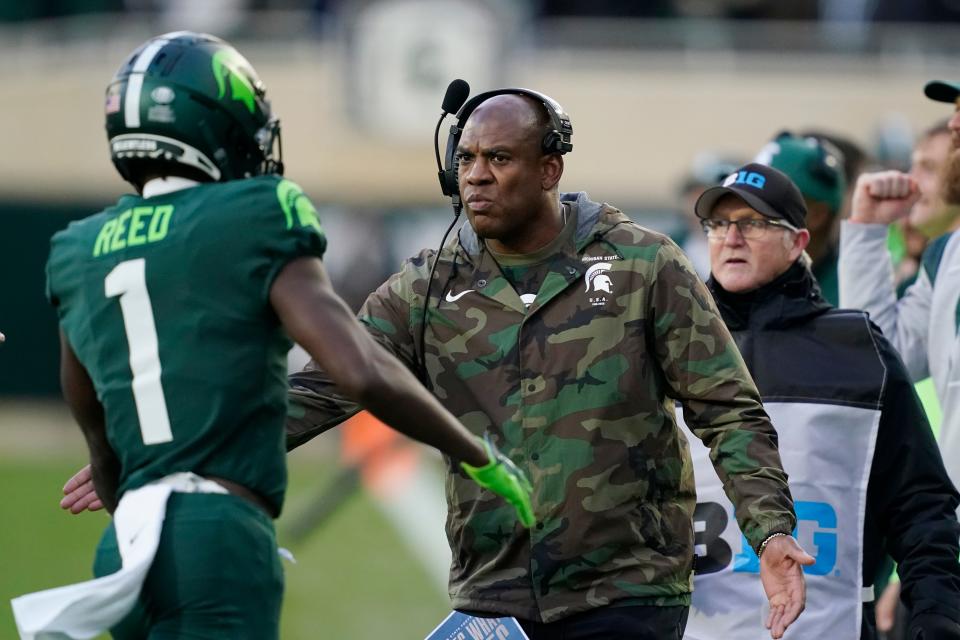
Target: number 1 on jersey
x,y
129,281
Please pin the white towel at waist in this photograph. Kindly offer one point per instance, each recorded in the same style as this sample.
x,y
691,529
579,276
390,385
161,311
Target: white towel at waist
x,y
87,609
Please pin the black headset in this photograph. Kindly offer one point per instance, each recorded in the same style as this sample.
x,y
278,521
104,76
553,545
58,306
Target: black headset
x,y
557,140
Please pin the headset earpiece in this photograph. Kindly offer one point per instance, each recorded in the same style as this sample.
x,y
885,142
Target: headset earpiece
x,y
554,142
549,142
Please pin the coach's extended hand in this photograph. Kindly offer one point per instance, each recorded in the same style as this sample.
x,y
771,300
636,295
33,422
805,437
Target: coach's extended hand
x,y
781,572
503,477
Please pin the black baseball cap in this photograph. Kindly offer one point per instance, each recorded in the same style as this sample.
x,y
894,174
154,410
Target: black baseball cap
x,y
764,189
942,91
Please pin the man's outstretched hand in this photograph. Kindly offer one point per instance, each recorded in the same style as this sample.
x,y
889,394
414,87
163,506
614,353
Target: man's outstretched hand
x,y
503,478
79,494
781,572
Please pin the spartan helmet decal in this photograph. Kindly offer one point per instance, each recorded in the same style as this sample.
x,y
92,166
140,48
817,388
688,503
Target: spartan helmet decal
x,y
227,64
597,279
602,283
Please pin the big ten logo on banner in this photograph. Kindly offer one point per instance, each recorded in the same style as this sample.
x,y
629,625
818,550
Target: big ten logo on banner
x,y
401,54
460,626
816,530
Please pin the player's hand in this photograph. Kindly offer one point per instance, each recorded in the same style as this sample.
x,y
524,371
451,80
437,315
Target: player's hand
x,y
781,572
503,477
79,493
883,197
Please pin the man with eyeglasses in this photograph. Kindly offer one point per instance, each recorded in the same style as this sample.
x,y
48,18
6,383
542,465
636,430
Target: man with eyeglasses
x,y
864,469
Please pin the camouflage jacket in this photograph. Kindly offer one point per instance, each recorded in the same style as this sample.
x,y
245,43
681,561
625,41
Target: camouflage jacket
x,y
579,390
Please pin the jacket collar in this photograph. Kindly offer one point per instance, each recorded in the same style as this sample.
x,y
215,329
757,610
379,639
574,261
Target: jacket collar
x,y
466,253
790,299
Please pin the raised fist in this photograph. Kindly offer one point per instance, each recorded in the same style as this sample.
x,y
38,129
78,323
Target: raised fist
x,y
883,197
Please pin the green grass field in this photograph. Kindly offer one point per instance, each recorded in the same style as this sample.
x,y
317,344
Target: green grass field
x,y
353,579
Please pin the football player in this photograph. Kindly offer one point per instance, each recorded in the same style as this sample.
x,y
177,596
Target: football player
x,y
177,307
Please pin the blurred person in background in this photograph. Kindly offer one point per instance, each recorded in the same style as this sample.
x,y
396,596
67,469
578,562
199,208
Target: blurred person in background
x,y
535,333
933,168
923,324
930,216
908,237
707,170
215,256
855,161
816,167
922,321
832,383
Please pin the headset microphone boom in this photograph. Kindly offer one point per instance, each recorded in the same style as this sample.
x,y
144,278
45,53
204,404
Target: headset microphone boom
x,y
457,93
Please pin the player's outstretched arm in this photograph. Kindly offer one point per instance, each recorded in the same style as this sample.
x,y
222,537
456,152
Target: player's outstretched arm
x,y
499,475
81,396
781,572
318,319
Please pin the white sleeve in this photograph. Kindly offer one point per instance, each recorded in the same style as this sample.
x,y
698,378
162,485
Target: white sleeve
x,y
866,282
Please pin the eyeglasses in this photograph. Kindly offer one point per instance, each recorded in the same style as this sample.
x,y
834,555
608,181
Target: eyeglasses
x,y
749,228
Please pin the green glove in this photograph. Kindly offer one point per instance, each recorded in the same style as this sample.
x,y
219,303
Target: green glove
x,y
503,477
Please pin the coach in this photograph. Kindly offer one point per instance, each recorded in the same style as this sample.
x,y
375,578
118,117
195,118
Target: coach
x,y
568,331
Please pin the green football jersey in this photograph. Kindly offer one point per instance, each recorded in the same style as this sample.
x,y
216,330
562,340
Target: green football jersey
x,y
165,301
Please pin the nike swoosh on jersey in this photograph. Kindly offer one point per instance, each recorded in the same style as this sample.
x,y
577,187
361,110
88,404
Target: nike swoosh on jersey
x,y
454,298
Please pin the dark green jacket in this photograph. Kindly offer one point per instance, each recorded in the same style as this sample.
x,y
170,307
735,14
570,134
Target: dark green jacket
x,y
579,390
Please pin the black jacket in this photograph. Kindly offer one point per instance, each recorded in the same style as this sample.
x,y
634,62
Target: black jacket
x,y
790,339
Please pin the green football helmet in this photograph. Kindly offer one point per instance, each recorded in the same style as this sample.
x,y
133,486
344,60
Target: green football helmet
x,y
189,104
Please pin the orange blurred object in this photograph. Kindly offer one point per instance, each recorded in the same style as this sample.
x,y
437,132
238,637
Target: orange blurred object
x,y
387,460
